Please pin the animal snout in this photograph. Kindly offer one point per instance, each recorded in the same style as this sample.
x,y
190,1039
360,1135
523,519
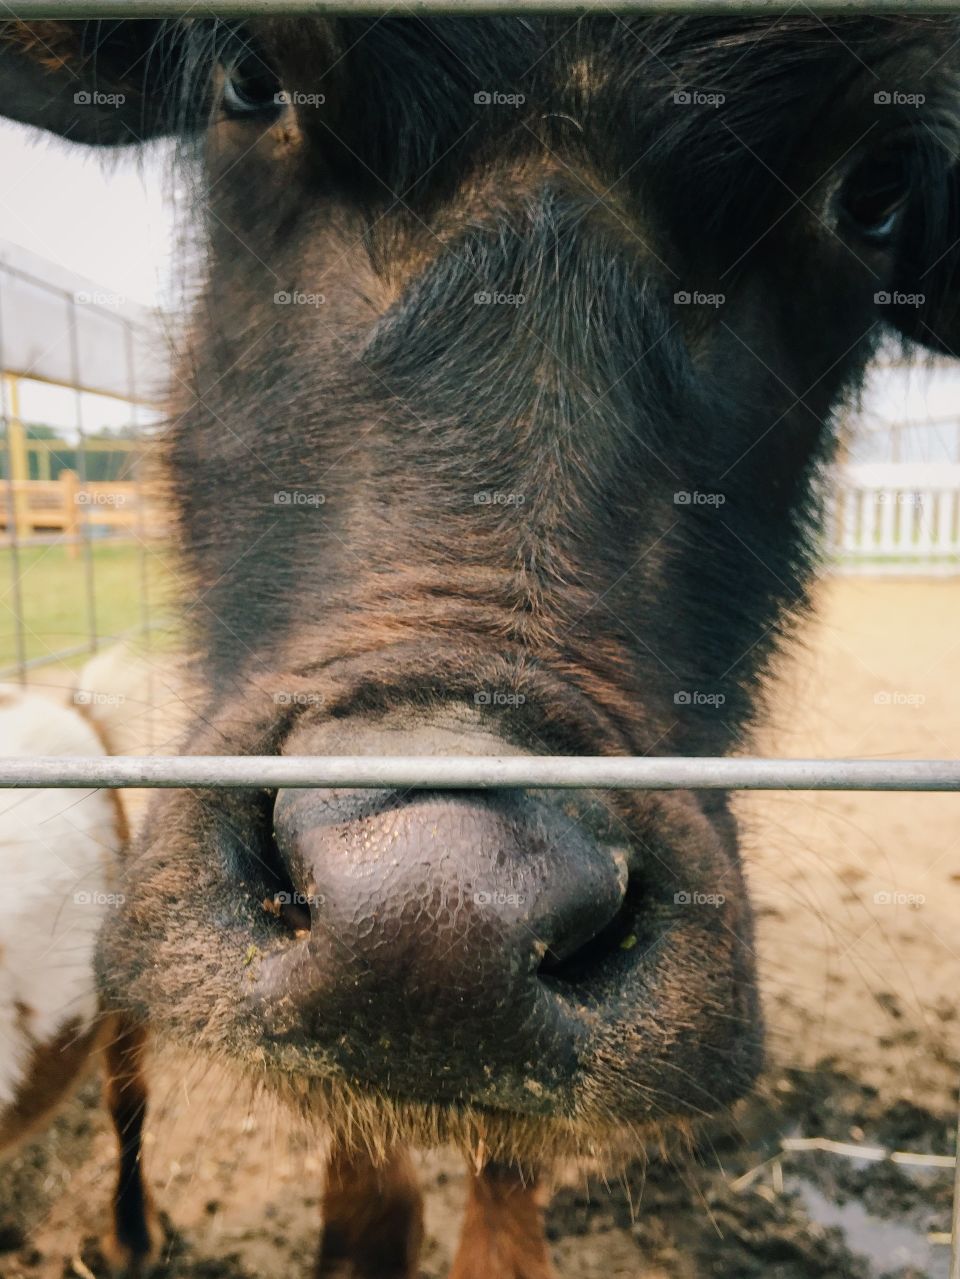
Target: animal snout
x,y
452,935
452,961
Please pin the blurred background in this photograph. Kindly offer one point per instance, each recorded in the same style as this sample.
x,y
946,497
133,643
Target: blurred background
x,y
85,316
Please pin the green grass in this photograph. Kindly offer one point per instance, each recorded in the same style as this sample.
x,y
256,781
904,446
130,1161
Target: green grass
x,y
53,591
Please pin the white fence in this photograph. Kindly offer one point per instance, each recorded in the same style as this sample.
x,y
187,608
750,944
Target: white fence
x,y
892,517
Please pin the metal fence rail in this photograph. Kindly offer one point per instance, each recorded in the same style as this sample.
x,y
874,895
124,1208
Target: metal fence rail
x,y
242,8
470,772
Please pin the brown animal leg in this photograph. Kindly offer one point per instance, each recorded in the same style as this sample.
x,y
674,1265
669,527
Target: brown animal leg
x,y
135,1238
372,1218
502,1235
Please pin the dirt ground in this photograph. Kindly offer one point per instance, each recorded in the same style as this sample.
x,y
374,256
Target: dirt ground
x,y
858,901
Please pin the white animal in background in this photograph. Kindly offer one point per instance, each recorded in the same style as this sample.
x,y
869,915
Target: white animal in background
x,y
59,852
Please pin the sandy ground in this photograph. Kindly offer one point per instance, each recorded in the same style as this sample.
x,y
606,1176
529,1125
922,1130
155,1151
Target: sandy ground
x,y
858,895
858,901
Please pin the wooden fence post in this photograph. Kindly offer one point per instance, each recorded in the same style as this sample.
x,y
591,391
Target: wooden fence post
x,y
70,488
17,458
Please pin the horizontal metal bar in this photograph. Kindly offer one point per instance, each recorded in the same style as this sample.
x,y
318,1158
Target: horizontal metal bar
x,y
46,659
483,772
78,650
56,9
246,8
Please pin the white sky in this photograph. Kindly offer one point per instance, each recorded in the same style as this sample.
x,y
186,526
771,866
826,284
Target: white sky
x,y
104,215
105,218
110,218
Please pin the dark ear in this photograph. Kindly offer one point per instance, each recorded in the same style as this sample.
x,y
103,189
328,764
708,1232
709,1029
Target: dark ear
x,y
925,306
100,82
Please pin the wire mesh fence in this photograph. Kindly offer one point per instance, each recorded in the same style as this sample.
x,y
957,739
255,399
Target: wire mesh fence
x,y
67,349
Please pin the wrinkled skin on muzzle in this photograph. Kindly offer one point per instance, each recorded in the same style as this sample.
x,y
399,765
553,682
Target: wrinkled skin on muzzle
x,y
562,970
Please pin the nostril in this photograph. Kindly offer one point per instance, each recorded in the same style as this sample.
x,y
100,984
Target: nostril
x,y
286,907
576,960
581,963
496,890
277,893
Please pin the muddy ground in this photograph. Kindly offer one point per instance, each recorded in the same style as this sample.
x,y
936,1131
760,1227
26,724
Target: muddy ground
x,y
858,900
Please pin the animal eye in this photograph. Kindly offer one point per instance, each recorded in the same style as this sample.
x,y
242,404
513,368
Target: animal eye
x,y
875,196
250,88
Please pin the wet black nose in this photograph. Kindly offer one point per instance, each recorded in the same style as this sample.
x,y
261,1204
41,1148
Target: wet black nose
x,y
438,926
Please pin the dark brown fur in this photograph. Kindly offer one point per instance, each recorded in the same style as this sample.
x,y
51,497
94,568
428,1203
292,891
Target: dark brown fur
x,y
133,1244
372,1218
503,1229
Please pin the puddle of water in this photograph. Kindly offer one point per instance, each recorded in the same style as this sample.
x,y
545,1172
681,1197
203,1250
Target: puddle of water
x,y
887,1245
